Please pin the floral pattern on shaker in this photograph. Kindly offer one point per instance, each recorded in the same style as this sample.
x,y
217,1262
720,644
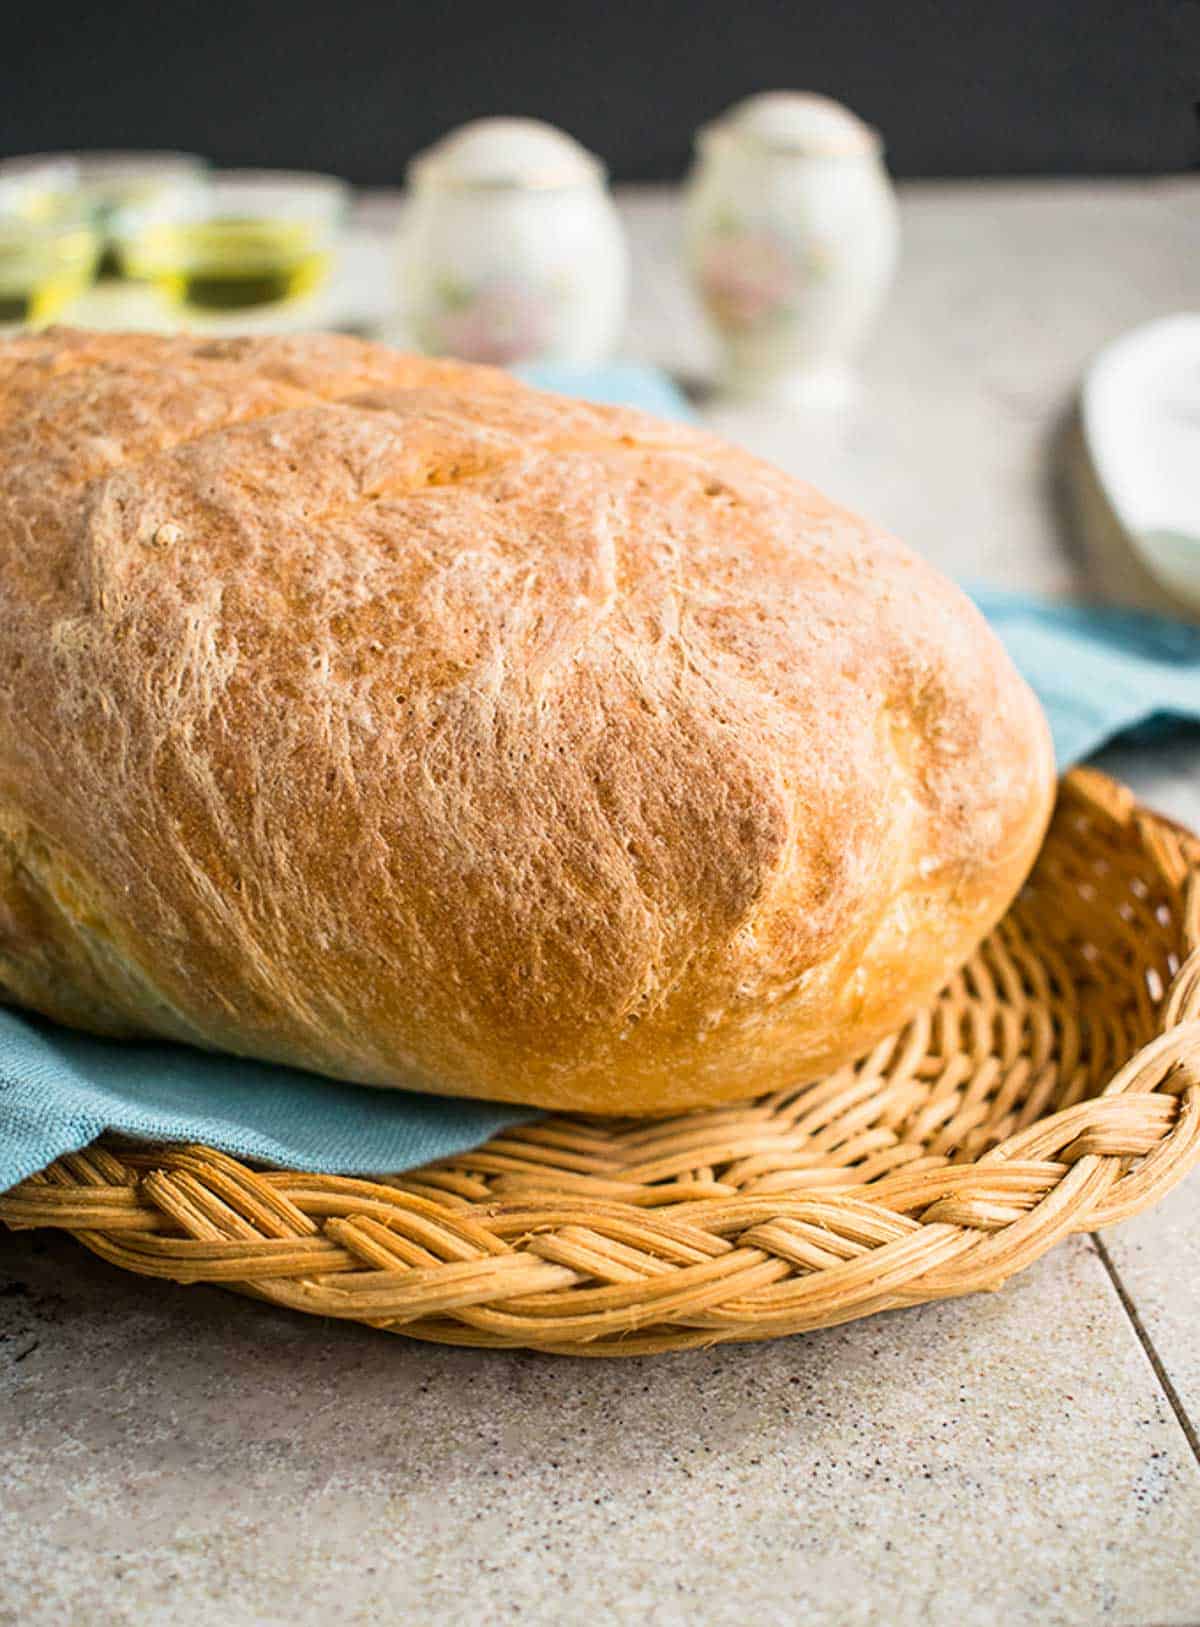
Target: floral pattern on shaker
x,y
501,321
749,277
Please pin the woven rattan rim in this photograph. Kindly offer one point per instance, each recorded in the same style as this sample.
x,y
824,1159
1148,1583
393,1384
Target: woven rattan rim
x,y
1052,1088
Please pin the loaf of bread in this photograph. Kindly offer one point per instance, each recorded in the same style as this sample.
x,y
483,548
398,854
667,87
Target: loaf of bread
x,y
388,718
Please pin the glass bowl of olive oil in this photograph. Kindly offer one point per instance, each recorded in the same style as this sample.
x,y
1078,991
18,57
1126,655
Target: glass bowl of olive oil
x,y
112,185
48,259
101,187
257,240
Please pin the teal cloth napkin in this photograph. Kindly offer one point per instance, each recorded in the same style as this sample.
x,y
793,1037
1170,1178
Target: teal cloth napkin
x,y
1097,672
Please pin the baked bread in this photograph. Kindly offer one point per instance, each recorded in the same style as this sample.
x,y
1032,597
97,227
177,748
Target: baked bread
x,y
386,717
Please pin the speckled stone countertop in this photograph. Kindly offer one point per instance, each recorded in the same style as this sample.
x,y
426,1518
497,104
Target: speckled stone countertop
x,y
179,1455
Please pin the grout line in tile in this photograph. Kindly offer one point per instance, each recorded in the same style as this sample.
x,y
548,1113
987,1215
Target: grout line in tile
x,y
1147,1344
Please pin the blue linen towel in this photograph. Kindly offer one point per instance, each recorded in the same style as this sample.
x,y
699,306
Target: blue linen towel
x,y
1097,672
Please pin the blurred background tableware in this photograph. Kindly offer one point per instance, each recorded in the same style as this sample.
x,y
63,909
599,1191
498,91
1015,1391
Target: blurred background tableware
x,y
33,186
111,185
48,257
513,251
1140,414
791,230
248,241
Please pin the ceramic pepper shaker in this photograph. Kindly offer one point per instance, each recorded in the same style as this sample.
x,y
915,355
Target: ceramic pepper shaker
x,y
513,250
791,242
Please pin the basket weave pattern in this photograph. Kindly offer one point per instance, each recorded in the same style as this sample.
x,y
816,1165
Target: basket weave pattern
x,y
1053,1087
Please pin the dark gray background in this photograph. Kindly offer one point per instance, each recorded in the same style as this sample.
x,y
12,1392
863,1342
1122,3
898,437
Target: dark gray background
x,y
977,87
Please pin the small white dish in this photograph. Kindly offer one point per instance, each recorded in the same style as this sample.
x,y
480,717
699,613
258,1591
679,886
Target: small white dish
x,y
1140,410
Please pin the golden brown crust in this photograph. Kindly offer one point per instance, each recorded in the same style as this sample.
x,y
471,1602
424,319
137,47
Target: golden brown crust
x,y
386,717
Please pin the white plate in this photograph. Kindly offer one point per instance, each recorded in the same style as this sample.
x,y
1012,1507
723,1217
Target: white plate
x,y
1140,409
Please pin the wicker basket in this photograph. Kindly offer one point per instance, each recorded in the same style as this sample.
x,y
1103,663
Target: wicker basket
x,y
1052,1088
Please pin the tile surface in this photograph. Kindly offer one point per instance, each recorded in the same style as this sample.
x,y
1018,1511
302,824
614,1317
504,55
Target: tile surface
x,y
175,1455
1157,1254
179,1455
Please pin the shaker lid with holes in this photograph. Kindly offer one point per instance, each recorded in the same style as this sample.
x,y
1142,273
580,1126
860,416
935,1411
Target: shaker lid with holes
x,y
794,122
518,153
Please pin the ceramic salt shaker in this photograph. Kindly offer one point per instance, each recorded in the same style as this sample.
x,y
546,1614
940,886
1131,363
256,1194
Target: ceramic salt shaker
x,y
513,251
791,243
